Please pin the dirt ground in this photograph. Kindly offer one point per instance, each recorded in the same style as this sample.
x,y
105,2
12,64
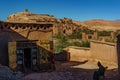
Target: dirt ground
x,y
73,71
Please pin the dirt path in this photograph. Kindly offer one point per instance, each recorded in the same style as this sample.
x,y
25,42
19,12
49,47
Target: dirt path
x,y
72,71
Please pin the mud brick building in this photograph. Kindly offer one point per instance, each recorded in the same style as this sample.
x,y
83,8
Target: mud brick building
x,y
24,45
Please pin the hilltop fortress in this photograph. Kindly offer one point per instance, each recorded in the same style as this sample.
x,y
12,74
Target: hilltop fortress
x,y
60,25
65,26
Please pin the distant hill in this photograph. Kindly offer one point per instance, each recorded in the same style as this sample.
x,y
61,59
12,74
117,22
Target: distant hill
x,y
118,20
101,24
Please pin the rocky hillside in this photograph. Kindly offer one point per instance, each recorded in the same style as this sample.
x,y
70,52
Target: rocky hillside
x,y
29,17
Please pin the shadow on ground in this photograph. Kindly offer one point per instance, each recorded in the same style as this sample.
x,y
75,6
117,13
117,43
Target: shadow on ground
x,y
66,71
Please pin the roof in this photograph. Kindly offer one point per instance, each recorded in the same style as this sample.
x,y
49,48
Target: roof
x,y
11,35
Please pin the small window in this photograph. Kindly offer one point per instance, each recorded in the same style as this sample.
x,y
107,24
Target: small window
x,y
89,37
64,31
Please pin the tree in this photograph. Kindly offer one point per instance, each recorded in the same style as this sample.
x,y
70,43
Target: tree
x,y
61,42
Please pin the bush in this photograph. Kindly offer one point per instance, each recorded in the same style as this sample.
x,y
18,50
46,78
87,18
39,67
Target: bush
x,y
80,44
110,40
104,33
85,44
75,35
76,44
62,42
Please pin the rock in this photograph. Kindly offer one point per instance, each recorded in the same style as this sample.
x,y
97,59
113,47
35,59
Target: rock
x,y
7,74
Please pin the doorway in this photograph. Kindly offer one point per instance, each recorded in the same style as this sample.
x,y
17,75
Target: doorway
x,y
27,58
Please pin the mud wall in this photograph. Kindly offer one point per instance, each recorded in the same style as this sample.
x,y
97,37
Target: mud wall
x,y
79,53
103,51
34,33
98,51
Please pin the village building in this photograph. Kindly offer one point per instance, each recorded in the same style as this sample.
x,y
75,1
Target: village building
x,y
26,44
27,40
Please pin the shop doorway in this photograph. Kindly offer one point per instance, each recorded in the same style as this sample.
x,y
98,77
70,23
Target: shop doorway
x,y
27,58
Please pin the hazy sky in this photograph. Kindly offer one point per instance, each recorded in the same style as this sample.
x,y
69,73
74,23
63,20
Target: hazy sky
x,y
75,9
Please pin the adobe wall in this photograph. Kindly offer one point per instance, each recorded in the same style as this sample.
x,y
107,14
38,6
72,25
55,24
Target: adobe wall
x,y
79,53
98,51
95,36
32,33
103,51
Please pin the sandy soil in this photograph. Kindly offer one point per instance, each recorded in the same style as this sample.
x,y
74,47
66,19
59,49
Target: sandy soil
x,y
73,71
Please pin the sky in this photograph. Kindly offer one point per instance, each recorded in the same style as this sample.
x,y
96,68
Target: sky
x,y
81,10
